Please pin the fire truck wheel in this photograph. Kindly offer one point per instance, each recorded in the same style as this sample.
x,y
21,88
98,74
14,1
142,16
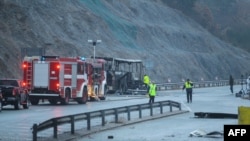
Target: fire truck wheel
x,y
52,101
65,101
84,98
17,104
34,101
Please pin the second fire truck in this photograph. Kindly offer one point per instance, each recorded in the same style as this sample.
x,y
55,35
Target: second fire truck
x,y
63,79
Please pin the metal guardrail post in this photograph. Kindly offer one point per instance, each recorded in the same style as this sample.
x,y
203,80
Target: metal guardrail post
x,y
128,110
72,121
161,109
116,116
34,132
87,116
88,121
170,107
140,115
151,109
55,127
103,117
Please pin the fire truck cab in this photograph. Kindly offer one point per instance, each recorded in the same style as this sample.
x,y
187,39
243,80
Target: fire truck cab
x,y
63,79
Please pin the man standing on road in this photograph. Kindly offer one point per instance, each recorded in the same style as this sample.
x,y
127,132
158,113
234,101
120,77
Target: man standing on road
x,y
152,92
231,83
188,85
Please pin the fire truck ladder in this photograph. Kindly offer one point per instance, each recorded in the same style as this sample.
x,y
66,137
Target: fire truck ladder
x,y
29,74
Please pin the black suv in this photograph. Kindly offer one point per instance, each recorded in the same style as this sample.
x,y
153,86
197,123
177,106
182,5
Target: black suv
x,y
13,93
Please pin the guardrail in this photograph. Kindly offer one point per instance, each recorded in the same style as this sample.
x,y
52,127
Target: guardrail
x,y
102,114
200,84
71,119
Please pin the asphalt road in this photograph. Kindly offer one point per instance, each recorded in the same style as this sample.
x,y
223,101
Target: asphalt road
x,y
179,127
16,125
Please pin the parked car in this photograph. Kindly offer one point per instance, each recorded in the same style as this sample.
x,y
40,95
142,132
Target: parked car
x,y
13,93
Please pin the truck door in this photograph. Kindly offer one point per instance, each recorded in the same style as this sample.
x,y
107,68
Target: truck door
x,y
41,74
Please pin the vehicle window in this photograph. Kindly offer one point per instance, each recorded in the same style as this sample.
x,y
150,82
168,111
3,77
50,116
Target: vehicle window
x,y
9,82
80,68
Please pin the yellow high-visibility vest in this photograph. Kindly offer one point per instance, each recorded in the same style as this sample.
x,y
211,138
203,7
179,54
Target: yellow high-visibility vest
x,y
188,85
152,90
146,79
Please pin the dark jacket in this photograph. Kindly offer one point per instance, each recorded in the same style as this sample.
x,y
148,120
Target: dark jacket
x,y
231,80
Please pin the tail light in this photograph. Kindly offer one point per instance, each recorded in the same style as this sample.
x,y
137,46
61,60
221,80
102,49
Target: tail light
x,y
57,85
14,92
58,66
24,65
24,84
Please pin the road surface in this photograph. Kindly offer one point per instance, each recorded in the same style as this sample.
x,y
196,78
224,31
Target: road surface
x,y
179,127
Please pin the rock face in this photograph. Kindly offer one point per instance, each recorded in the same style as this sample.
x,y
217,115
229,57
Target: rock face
x,y
171,45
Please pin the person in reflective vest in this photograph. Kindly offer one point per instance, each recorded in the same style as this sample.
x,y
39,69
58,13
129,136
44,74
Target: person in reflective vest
x,y
152,92
146,80
188,85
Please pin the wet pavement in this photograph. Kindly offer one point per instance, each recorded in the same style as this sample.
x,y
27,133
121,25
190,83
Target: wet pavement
x,y
177,127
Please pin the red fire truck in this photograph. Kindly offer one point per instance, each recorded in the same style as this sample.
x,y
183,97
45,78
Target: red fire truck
x,y
64,79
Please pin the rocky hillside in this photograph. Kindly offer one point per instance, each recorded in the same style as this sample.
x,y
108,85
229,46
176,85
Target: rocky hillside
x,y
227,19
171,44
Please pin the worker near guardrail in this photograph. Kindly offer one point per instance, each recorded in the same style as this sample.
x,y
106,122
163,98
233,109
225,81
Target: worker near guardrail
x,y
152,92
146,80
231,83
188,85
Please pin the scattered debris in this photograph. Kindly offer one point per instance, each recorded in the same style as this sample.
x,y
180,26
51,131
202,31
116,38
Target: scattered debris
x,y
201,133
110,137
215,115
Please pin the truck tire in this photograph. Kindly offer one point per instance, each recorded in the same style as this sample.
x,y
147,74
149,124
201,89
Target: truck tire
x,y
84,98
65,101
52,101
34,101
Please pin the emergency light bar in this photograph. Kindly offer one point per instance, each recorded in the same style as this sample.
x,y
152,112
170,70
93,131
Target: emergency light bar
x,y
51,57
